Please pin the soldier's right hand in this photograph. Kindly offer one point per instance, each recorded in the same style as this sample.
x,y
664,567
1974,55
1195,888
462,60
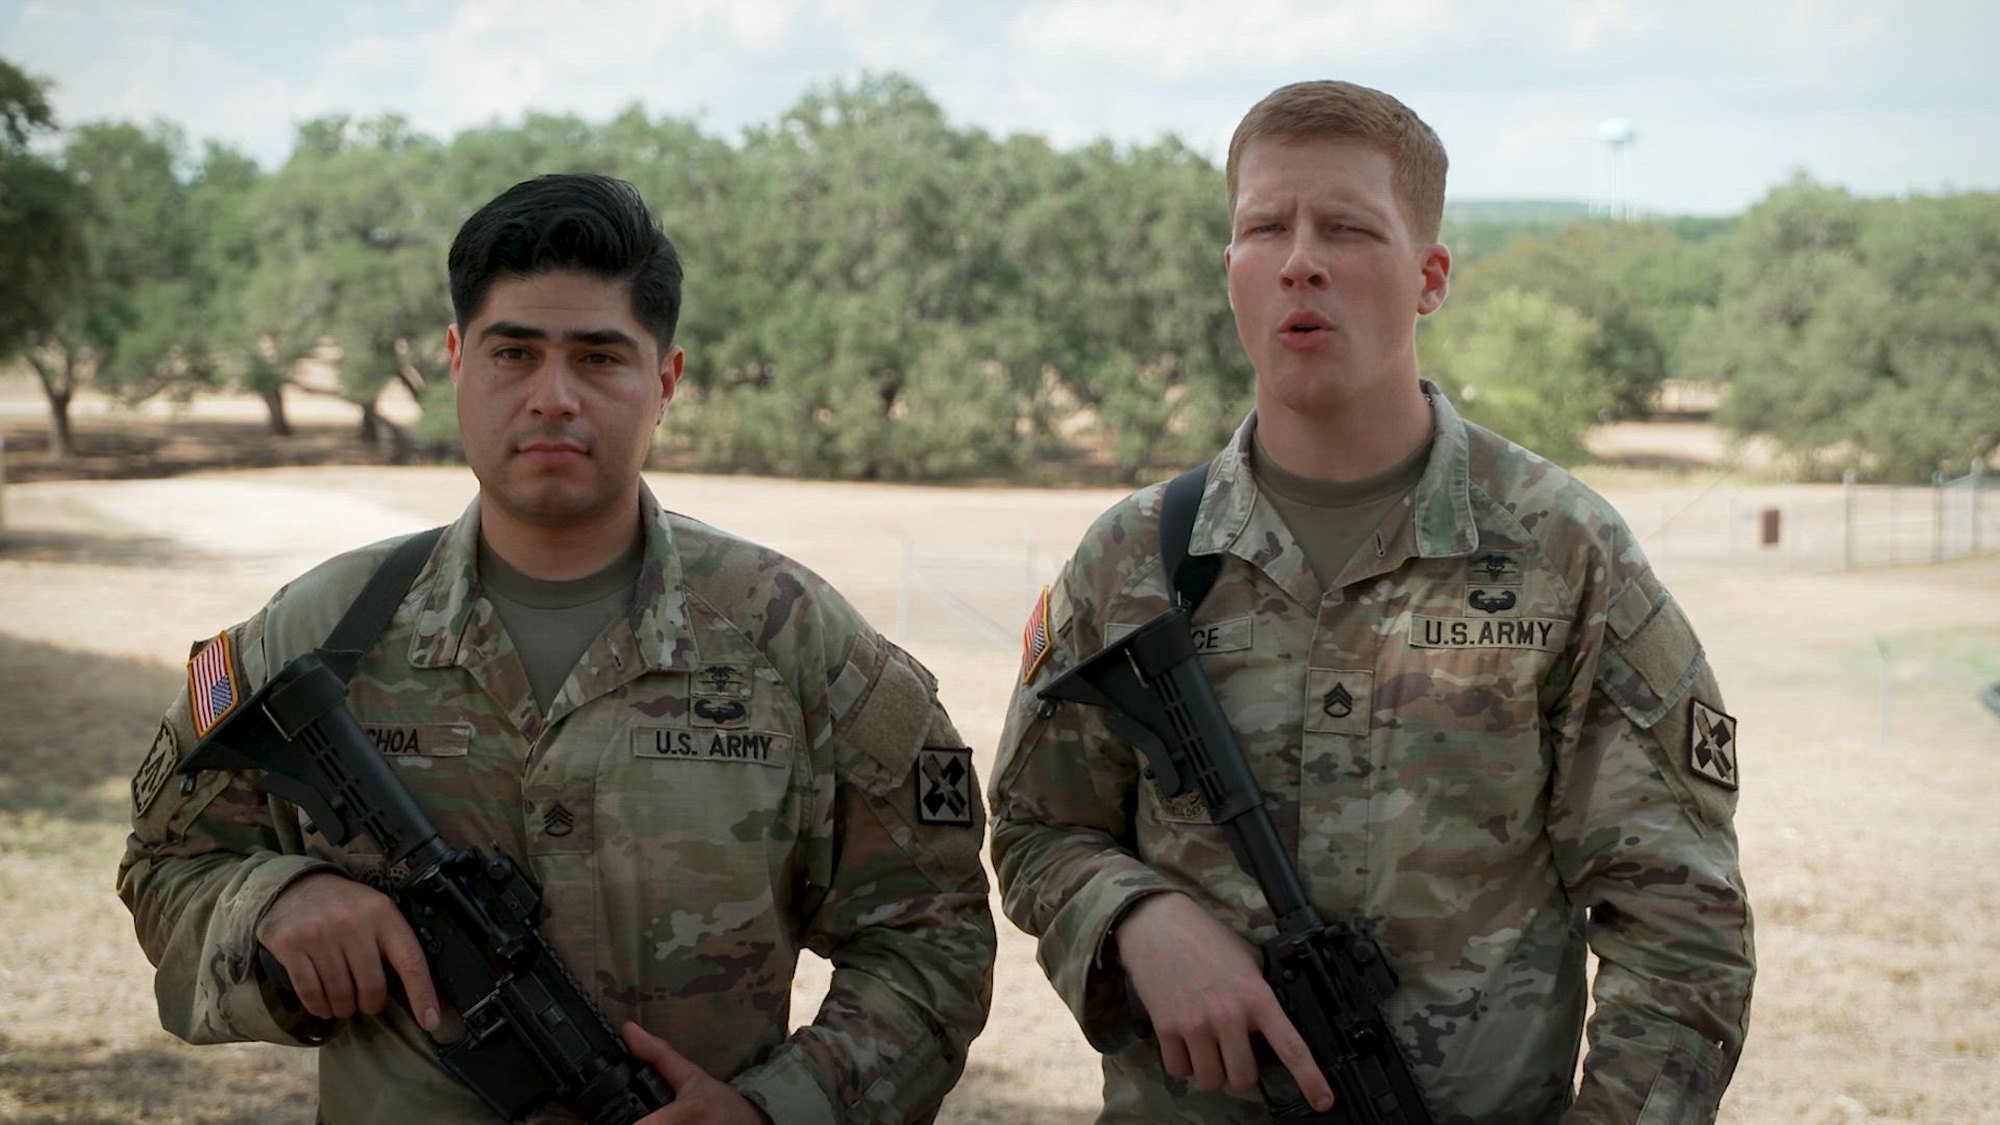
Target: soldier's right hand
x,y
333,935
1205,993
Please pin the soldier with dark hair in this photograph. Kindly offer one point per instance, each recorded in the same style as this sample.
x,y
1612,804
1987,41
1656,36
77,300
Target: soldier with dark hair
x,y
701,753
1486,733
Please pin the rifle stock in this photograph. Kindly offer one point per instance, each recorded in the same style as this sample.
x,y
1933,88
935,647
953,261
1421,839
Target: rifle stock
x,y
531,1033
1331,981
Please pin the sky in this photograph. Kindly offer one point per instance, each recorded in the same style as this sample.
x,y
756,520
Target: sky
x,y
1724,98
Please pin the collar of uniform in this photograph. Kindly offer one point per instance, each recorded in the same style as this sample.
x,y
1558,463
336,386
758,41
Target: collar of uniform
x,y
1231,519
447,589
659,604
1443,499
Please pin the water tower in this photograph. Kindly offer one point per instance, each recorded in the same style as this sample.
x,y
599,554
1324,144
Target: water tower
x,y
1617,135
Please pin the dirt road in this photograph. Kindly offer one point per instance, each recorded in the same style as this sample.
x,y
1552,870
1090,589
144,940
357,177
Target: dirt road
x,y
1868,841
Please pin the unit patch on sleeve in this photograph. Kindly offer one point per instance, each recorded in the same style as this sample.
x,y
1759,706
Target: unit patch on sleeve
x,y
1035,637
153,773
944,786
1712,745
213,688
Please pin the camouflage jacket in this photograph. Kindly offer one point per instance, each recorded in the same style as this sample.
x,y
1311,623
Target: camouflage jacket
x,y
1493,741
731,773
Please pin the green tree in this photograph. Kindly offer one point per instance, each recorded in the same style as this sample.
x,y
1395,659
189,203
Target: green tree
x,y
350,238
41,238
130,321
1861,333
1519,363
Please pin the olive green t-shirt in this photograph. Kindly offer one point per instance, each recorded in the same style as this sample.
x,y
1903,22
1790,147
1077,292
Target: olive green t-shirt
x,y
552,623
1334,519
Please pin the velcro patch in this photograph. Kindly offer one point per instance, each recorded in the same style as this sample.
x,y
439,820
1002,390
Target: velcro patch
x,y
1712,745
213,687
154,771
944,786
1035,637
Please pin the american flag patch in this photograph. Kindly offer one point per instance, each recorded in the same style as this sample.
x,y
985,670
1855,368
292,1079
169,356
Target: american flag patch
x,y
213,691
1035,637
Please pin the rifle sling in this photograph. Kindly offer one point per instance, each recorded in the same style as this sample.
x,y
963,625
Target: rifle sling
x,y
357,630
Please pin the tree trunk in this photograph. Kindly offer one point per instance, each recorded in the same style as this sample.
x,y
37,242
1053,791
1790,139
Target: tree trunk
x,y
371,424
59,387
274,403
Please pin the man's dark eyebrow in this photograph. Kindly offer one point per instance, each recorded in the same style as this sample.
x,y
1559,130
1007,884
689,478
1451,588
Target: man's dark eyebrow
x,y
598,336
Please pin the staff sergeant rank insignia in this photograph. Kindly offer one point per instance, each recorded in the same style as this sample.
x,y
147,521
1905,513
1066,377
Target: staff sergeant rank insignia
x,y
944,786
1712,745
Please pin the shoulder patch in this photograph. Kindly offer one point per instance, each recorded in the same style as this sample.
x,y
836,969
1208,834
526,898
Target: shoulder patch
x,y
944,786
1712,745
1035,637
213,687
154,771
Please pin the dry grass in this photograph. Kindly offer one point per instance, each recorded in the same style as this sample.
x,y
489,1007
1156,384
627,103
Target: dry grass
x,y
1871,861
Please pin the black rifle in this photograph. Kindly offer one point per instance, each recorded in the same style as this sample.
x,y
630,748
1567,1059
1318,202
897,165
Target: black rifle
x,y
1330,980
531,1034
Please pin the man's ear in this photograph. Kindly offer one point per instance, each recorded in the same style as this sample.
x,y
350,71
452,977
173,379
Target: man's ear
x,y
453,343
1436,267
670,375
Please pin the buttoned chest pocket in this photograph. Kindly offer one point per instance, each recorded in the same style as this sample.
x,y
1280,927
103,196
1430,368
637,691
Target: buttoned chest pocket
x,y
1460,733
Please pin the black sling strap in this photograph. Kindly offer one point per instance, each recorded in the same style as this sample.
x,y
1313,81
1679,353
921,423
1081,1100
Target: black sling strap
x,y
1191,576
364,621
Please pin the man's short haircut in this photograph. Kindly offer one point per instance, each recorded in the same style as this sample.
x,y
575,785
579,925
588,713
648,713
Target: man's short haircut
x,y
1343,111
593,225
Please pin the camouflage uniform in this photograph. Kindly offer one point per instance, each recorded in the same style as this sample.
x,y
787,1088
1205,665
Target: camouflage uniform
x,y
1493,740
730,774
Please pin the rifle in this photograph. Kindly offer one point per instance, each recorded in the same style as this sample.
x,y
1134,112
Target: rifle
x,y
531,1033
1330,980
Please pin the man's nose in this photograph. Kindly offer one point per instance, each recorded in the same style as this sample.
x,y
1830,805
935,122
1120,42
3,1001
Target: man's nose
x,y
1305,263
553,394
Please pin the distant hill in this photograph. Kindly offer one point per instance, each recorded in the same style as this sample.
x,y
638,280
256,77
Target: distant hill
x,y
1515,212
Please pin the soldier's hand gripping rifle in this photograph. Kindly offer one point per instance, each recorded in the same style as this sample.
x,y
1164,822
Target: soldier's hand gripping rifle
x,y
531,1034
1330,980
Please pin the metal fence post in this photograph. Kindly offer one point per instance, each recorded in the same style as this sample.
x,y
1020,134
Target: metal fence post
x,y
1978,502
1937,516
1846,518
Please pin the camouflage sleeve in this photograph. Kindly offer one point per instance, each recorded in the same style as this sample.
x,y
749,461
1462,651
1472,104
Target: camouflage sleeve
x,y
897,903
1641,819
204,860
1063,843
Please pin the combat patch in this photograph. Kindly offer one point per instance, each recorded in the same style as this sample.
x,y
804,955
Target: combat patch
x,y
1491,632
1712,745
944,786
761,747
419,740
1035,637
154,771
214,690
